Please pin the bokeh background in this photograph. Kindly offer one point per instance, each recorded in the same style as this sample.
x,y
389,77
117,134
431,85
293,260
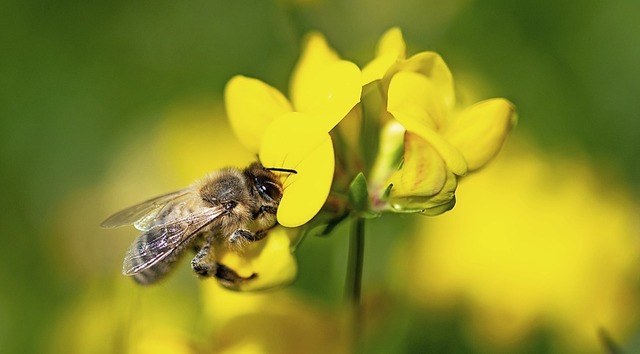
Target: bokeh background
x,y
103,104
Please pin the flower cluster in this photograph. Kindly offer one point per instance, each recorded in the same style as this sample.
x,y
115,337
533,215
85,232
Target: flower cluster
x,y
389,137
439,141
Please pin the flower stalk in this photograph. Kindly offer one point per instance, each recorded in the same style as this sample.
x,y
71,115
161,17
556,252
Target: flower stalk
x,y
353,283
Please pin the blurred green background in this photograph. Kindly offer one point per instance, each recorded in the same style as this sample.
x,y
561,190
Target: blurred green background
x,y
83,84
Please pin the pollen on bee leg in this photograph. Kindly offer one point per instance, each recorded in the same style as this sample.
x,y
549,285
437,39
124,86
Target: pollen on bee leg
x,y
201,263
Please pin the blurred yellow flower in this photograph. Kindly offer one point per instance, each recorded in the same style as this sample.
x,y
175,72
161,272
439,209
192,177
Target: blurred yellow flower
x,y
123,318
295,135
270,322
538,241
441,143
120,317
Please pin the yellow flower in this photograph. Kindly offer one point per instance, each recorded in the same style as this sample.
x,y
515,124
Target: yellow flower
x,y
441,143
295,135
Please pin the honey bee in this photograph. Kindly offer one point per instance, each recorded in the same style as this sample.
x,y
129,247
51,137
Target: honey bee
x,y
231,205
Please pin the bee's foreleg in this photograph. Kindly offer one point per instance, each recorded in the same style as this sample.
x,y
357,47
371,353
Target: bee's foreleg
x,y
265,209
202,263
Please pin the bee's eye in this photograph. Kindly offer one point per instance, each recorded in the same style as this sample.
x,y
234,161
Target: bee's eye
x,y
269,190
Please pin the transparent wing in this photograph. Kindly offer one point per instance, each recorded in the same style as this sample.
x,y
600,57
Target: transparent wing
x,y
143,215
160,241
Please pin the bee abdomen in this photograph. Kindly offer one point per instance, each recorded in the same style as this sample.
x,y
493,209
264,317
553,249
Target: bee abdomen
x,y
152,274
139,256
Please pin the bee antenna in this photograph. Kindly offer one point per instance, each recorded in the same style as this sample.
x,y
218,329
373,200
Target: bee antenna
x,y
285,170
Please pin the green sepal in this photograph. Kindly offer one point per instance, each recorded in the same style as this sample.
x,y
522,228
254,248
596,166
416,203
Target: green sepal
x,y
387,192
359,197
359,193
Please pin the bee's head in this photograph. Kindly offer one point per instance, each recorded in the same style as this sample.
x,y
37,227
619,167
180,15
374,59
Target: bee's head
x,y
265,183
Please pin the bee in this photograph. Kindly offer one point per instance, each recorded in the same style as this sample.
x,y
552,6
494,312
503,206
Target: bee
x,y
230,205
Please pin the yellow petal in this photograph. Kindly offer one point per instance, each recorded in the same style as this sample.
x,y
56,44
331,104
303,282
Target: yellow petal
x,y
324,85
480,130
413,92
329,92
251,105
449,153
270,260
307,192
316,55
423,172
297,141
431,65
416,119
428,205
391,47
392,42
445,199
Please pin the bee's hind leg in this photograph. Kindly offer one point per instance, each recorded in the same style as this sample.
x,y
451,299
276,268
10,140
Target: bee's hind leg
x,y
229,278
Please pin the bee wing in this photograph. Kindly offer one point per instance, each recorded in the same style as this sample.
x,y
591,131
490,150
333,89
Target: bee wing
x,y
160,241
143,215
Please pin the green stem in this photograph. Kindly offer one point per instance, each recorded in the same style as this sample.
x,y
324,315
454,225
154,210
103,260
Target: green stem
x,y
353,284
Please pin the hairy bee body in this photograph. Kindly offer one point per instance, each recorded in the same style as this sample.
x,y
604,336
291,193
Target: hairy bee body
x,y
231,205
